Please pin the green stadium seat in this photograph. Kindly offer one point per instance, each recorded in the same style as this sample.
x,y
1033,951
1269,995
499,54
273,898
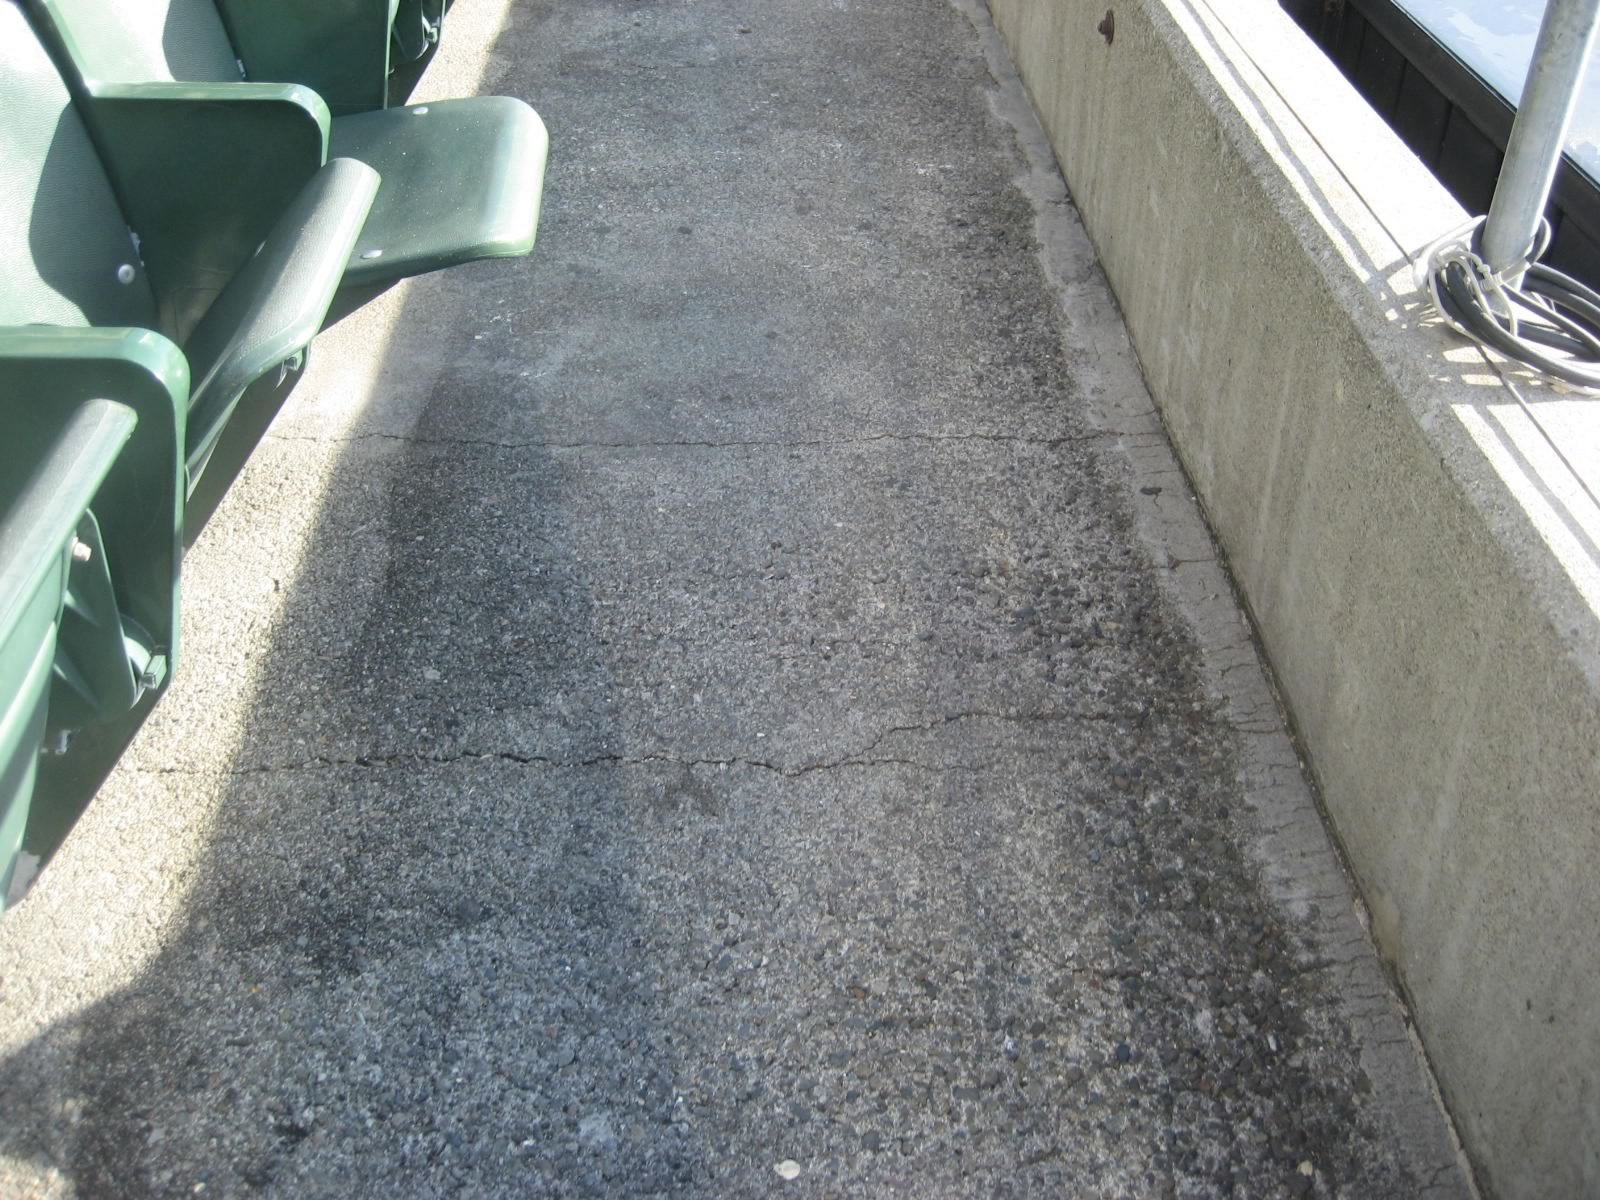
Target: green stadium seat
x,y
462,179
117,378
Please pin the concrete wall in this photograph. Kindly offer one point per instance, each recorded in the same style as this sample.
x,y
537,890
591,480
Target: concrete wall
x,y
1422,570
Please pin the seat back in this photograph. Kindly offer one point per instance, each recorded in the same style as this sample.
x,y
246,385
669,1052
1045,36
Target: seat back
x,y
66,257
149,41
337,48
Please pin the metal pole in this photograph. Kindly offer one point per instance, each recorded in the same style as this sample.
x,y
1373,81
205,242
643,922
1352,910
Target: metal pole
x,y
1566,35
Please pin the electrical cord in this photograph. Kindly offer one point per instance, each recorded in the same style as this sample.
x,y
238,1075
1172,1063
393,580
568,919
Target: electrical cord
x,y
1549,321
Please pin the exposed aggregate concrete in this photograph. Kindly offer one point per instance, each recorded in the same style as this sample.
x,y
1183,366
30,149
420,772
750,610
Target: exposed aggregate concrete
x,y
730,734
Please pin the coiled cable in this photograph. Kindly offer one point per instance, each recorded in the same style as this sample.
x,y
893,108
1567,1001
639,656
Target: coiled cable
x,y
1548,321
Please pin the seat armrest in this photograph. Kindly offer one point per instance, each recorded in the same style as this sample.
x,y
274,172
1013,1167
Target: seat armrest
x,y
70,450
203,171
141,501
272,309
58,458
339,48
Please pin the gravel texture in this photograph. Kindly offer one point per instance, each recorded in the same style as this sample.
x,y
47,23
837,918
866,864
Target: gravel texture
x,y
745,706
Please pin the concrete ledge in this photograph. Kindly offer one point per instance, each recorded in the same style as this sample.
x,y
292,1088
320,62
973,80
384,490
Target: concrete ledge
x,y
1422,566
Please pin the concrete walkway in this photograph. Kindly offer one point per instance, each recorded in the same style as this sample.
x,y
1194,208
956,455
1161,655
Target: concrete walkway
x,y
738,704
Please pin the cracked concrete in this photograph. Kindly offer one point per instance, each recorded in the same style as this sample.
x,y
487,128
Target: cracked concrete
x,y
745,687
806,443
860,759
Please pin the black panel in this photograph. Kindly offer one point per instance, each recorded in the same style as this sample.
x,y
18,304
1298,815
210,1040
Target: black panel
x,y
1421,114
1460,86
1576,253
1347,52
1575,192
1379,73
1469,163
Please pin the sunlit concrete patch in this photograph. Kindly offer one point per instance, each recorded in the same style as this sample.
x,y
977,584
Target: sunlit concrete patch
x,y
1538,470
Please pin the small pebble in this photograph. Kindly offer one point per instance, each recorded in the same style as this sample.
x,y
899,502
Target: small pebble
x,y
788,1169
